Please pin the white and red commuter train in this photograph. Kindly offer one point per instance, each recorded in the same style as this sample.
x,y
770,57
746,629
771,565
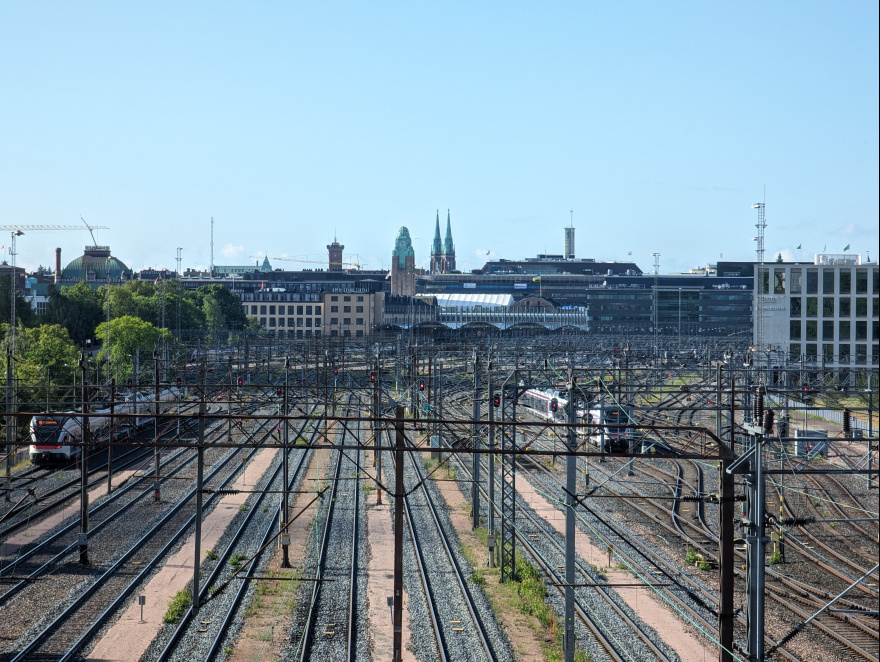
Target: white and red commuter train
x,y
610,417
54,437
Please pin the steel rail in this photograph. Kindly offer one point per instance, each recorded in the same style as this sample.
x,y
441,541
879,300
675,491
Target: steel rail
x,y
444,537
205,591
80,600
306,640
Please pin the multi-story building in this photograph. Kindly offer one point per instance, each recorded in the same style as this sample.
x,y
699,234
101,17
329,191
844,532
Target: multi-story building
x,y
820,313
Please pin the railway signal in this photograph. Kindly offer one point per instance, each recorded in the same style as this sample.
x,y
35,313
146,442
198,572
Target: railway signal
x,y
422,385
496,400
129,382
178,381
372,376
336,372
278,391
554,405
239,381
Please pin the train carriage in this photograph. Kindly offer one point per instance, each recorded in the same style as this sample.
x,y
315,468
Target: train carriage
x,y
57,437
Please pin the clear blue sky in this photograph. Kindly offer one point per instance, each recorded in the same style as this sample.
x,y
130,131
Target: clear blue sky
x,y
658,123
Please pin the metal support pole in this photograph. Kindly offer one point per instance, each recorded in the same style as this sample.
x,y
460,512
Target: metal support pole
x,y
397,614
870,424
285,535
726,559
83,465
491,478
570,487
475,489
755,543
10,419
377,455
157,495
110,436
200,470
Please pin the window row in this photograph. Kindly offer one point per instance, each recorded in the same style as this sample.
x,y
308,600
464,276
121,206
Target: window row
x,y
346,321
346,309
843,353
799,284
290,310
299,323
346,298
809,330
844,308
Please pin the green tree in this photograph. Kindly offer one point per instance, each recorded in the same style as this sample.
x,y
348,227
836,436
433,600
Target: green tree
x,y
127,335
23,311
221,309
43,353
78,308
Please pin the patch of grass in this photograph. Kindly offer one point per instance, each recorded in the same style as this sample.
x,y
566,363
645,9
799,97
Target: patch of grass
x,y
243,508
265,509
691,557
477,578
178,605
237,559
704,565
227,651
211,555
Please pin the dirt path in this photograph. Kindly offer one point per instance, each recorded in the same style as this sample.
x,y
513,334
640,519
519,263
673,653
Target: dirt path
x,y
263,634
380,582
524,631
128,638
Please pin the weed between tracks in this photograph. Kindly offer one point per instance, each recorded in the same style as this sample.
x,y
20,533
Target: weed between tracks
x,y
178,605
525,596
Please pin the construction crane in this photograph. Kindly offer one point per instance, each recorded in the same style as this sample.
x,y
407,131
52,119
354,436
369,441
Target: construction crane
x,y
17,231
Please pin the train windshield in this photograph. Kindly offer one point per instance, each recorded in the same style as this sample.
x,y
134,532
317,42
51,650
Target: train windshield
x,y
47,429
616,417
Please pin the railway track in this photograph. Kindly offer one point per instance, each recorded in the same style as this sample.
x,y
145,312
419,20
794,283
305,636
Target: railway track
x,y
330,630
462,624
103,592
219,599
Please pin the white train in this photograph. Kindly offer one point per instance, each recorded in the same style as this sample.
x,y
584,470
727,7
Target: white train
x,y
551,404
53,436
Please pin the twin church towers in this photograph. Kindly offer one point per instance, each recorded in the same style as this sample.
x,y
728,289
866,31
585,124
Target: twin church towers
x,y
403,261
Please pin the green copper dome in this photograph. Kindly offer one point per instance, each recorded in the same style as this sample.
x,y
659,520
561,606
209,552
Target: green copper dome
x,y
96,259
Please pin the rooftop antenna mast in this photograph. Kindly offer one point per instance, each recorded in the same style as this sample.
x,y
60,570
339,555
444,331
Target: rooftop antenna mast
x,y
656,299
759,249
212,247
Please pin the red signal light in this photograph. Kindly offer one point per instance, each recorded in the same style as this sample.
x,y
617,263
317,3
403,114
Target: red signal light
x,y
421,385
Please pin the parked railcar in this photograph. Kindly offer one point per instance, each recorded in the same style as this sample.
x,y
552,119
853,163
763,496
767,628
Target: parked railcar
x,y
57,437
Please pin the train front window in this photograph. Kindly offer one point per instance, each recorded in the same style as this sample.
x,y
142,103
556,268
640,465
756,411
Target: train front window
x,y
47,431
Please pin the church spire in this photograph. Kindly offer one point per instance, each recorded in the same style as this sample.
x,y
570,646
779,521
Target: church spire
x,y
448,246
437,247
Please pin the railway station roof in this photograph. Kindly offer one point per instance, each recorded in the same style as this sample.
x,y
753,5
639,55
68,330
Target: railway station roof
x,y
473,300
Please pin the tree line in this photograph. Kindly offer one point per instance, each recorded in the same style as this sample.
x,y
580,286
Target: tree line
x,y
116,320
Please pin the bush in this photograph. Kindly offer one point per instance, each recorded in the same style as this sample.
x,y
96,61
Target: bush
x,y
178,605
211,555
775,557
691,556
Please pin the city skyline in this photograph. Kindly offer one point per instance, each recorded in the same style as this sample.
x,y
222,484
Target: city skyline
x,y
658,125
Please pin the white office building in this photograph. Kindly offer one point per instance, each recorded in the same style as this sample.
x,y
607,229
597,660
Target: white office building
x,y
823,313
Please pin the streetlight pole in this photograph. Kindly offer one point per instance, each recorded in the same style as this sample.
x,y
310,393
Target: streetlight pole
x,y
12,252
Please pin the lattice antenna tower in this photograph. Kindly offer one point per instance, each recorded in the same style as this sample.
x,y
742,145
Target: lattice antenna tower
x,y
759,249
